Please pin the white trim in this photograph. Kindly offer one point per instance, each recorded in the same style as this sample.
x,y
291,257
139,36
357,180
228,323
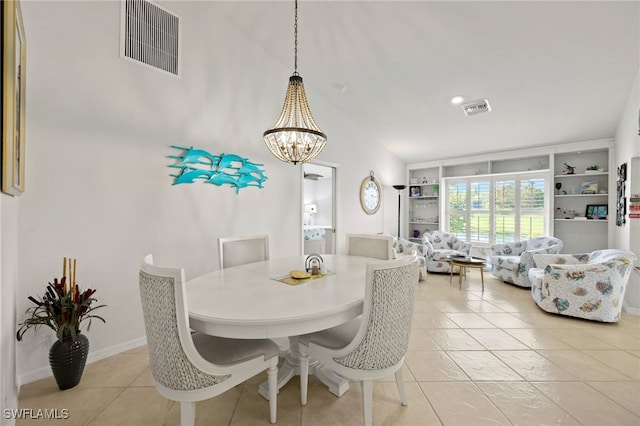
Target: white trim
x,y
42,372
517,153
628,309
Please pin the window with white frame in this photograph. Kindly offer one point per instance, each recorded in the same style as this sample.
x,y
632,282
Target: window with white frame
x,y
497,208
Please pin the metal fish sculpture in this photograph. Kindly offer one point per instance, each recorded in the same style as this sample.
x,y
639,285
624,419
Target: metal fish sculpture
x,y
190,176
591,306
604,287
224,169
194,156
220,179
561,304
579,291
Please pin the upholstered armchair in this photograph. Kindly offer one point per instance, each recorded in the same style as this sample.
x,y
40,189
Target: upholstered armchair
x,y
511,262
587,285
402,246
439,246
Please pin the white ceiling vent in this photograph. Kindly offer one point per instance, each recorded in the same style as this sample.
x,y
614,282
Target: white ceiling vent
x,y
150,35
476,107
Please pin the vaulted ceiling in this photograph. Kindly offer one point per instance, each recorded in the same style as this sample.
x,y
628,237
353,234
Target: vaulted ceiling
x,y
552,71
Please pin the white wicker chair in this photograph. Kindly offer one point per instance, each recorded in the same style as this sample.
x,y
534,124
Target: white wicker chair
x,y
373,345
235,251
193,367
377,246
511,262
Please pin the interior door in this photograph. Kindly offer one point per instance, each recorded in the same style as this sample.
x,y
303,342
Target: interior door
x,y
318,208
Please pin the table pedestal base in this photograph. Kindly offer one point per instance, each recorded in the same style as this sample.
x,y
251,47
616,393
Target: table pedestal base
x,y
289,367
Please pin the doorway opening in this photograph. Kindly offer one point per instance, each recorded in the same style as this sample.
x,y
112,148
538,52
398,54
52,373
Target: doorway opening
x,y
318,208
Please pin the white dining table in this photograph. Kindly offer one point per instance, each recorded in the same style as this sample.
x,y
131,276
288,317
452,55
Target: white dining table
x,y
249,302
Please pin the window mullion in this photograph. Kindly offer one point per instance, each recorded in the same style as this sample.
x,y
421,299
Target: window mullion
x,y
517,208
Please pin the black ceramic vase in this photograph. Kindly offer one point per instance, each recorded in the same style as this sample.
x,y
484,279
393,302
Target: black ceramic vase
x,y
67,360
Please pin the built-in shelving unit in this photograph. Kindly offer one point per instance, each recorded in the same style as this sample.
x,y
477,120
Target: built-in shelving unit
x,y
576,188
424,202
424,214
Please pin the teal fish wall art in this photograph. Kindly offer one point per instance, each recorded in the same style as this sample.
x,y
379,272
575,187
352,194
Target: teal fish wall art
x,y
224,169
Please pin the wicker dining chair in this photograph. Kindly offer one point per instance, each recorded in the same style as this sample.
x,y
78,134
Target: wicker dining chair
x,y
194,367
373,345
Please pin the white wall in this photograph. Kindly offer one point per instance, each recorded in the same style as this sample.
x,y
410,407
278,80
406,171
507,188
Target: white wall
x,y
627,146
98,136
8,283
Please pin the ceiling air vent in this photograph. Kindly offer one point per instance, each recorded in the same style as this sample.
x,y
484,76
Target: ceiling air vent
x,y
150,35
476,107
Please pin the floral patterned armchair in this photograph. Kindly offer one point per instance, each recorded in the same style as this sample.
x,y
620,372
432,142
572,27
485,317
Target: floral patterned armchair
x,y
439,246
402,246
588,285
511,262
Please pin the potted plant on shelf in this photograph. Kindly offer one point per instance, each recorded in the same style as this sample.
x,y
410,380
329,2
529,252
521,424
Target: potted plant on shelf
x,y
593,169
64,308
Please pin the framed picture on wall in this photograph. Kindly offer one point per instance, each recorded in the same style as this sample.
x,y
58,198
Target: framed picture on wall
x,y
621,203
623,172
14,54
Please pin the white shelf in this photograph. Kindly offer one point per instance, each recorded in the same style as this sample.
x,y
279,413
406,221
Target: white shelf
x,y
589,236
581,195
424,208
582,220
582,175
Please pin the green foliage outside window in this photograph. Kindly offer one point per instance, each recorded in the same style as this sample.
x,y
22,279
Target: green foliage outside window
x,y
472,199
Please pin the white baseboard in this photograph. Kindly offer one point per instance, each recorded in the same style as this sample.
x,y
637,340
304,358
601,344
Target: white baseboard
x,y
628,309
41,373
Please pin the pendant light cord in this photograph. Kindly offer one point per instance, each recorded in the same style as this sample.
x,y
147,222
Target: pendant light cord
x,y
295,38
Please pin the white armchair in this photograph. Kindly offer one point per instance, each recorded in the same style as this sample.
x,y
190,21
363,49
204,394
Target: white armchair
x,y
511,262
587,285
439,246
402,246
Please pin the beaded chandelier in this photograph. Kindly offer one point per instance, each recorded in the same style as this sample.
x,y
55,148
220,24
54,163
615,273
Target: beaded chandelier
x,y
295,138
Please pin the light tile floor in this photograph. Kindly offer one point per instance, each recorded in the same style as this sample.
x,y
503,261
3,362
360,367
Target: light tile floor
x,y
474,358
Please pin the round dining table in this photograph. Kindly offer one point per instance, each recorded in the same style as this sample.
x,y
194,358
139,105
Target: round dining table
x,y
252,301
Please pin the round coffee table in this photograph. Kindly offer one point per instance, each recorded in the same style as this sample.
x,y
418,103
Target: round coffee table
x,y
466,262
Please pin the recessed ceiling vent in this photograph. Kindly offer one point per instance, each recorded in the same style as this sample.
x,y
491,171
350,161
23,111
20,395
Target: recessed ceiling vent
x,y
150,35
476,107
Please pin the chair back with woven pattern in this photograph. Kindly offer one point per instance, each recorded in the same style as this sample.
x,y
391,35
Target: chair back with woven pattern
x,y
376,246
161,291
235,251
383,337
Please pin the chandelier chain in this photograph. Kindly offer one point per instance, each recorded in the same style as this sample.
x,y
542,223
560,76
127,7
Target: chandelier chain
x,y
295,40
